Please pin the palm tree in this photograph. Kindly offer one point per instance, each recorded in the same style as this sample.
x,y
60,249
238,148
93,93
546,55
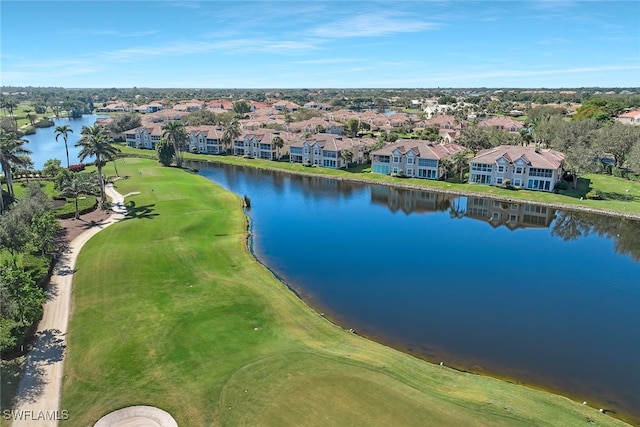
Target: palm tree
x,y
11,152
64,131
94,142
278,143
177,136
347,155
77,184
231,132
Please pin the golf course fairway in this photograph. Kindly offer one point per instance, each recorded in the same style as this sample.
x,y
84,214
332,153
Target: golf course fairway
x,y
171,310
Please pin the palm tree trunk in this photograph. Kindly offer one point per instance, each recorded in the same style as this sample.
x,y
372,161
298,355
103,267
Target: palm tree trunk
x,y
77,211
66,147
100,177
115,167
1,200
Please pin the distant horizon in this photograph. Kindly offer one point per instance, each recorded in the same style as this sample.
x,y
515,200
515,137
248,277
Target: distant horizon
x,y
524,88
382,44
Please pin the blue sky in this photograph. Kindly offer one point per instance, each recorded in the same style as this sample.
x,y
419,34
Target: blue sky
x,y
318,44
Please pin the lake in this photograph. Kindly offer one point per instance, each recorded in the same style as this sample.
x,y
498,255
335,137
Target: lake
x,y
522,292
44,146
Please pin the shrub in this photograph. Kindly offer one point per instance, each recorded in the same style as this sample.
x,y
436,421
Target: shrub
x,y
562,185
77,168
594,195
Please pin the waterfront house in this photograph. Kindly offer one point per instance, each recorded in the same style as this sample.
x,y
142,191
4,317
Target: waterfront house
x,y
328,150
413,158
258,144
526,167
143,137
206,139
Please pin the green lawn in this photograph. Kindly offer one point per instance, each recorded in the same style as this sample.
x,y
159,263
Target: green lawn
x,y
621,196
171,310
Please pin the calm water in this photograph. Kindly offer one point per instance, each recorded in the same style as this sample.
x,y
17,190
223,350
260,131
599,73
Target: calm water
x,y
546,298
44,146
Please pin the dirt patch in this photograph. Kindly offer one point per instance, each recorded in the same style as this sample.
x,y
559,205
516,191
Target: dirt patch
x,y
72,228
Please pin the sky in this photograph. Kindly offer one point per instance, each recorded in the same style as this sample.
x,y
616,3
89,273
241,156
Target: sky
x,y
320,44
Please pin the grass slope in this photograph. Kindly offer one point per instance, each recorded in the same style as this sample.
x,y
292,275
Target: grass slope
x,y
170,310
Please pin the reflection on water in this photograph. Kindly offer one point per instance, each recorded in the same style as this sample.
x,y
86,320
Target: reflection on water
x,y
512,289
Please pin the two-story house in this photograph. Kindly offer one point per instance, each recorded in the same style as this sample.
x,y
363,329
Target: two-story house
x,y
330,151
525,167
206,139
414,158
258,144
143,137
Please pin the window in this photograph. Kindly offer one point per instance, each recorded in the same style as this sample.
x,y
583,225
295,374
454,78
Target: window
x,y
498,181
306,150
409,160
429,163
396,159
410,172
500,169
395,170
518,169
516,182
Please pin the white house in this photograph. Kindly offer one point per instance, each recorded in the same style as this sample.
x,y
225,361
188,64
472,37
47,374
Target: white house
x,y
525,167
257,144
413,157
205,139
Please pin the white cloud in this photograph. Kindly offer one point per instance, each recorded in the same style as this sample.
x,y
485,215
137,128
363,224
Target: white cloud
x,y
372,25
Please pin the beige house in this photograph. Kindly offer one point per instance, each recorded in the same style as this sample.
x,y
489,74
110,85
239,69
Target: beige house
x,y
328,150
630,118
526,167
414,158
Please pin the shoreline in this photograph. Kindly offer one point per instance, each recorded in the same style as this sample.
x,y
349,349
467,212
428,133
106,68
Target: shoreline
x,y
554,205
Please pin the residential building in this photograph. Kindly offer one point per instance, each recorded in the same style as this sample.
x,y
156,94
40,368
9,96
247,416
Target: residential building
x,y
526,167
327,150
257,144
630,118
414,158
502,123
143,137
206,139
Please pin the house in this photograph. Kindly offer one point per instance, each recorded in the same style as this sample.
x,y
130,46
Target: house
x,y
148,108
143,137
526,167
630,118
206,139
414,158
328,150
317,105
258,144
502,123
317,123
292,107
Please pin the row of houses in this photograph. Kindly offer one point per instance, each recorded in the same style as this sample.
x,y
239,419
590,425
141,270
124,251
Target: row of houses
x,y
526,167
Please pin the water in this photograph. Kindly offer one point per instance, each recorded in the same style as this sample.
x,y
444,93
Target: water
x,y
44,146
541,297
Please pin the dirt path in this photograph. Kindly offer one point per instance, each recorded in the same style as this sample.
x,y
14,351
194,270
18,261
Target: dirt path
x,y
38,397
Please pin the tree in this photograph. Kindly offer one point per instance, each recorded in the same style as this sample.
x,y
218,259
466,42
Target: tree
x,y
475,138
352,126
165,152
64,131
44,232
9,106
176,135
200,117
51,168
574,139
11,150
241,107
125,122
231,132
618,140
347,155
94,143
278,143
76,184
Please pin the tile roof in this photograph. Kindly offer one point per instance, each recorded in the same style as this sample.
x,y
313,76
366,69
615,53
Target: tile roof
x,y
544,159
424,149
